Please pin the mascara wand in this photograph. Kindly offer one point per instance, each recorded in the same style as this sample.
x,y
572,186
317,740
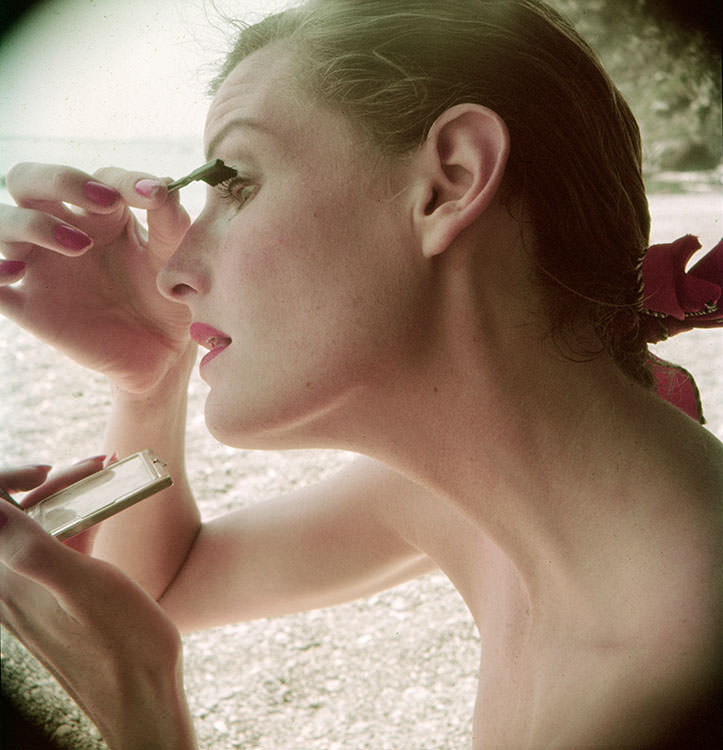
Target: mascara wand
x,y
212,173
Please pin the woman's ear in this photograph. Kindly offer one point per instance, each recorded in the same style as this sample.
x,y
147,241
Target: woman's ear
x,y
461,165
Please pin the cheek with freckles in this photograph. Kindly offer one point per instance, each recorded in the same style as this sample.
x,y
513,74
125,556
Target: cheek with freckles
x,y
275,275
317,299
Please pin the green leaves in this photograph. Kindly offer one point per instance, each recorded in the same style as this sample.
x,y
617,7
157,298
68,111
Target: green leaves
x,y
669,73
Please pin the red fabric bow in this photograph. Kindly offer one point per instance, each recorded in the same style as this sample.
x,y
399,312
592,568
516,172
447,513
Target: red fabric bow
x,y
676,301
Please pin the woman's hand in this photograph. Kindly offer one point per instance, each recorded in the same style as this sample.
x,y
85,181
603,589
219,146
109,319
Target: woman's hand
x,y
34,480
106,641
88,269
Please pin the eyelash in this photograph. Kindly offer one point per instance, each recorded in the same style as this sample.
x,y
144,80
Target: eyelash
x,y
230,188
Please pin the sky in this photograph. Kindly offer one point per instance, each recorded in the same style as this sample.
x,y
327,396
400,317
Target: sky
x,y
110,69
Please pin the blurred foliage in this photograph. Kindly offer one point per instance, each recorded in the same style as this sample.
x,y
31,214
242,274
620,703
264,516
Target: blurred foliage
x,y
665,59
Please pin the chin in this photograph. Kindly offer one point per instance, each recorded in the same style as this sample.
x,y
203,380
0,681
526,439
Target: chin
x,y
301,421
250,426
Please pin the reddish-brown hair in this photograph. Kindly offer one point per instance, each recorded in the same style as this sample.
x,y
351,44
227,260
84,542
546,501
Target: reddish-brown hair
x,y
393,66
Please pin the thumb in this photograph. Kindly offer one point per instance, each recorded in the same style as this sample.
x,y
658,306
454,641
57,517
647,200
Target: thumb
x,y
11,299
26,549
23,477
64,478
11,271
167,225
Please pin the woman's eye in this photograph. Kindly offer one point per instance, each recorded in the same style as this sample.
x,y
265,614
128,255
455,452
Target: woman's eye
x,y
237,189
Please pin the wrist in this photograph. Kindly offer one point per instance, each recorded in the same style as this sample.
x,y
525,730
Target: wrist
x,y
154,418
156,718
164,392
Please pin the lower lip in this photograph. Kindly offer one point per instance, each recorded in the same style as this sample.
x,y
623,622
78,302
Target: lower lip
x,y
212,355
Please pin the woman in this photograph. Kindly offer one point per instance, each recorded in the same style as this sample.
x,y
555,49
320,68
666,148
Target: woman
x,y
431,254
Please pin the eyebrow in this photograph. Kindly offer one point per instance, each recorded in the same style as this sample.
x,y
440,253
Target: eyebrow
x,y
239,122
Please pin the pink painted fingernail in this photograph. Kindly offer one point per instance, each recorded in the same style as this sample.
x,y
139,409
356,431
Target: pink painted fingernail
x,y
11,267
100,194
147,188
113,458
40,467
71,237
92,459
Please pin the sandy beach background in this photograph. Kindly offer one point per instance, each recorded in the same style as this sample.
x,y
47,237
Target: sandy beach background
x,y
393,672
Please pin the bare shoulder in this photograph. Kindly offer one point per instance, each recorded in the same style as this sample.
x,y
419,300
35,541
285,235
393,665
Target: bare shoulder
x,y
674,456
681,480
680,647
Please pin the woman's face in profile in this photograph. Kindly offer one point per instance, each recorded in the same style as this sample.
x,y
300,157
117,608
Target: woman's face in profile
x,y
304,265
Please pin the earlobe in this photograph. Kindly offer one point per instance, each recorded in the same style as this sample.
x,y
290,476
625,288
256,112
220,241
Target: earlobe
x,y
462,163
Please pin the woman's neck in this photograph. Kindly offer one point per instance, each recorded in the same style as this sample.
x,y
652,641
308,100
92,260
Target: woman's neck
x,y
547,456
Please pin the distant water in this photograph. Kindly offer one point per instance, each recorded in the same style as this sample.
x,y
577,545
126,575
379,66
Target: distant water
x,y
154,155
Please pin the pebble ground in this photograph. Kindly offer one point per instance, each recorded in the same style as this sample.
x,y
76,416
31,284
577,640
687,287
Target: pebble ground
x,y
393,672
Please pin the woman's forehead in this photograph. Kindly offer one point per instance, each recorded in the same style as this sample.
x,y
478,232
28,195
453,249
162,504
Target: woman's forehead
x,y
262,97
259,91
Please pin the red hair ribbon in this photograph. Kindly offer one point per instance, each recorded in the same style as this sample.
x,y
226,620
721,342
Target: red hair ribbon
x,y
677,300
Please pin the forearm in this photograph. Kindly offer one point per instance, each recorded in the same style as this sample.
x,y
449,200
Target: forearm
x,y
156,717
150,540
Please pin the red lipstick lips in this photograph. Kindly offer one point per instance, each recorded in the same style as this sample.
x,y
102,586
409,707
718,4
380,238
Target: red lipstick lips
x,y
211,338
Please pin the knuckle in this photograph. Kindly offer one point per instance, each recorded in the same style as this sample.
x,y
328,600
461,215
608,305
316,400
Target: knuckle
x,y
108,175
25,554
124,182
15,175
32,225
120,179
62,182
183,223
32,180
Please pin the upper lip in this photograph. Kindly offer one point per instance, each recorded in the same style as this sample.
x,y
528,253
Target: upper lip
x,y
208,336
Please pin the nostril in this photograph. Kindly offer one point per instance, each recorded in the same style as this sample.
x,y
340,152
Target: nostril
x,y
181,291
172,287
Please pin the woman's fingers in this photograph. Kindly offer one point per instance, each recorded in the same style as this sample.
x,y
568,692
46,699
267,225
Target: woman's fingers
x,y
63,478
102,193
11,271
168,221
31,560
106,640
103,307
29,183
35,478
65,210
29,551
22,478
23,229
82,586
139,189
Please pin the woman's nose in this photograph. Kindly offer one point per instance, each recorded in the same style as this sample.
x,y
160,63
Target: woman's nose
x,y
185,274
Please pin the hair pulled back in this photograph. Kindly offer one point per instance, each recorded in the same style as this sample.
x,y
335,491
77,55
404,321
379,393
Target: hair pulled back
x,y
393,66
